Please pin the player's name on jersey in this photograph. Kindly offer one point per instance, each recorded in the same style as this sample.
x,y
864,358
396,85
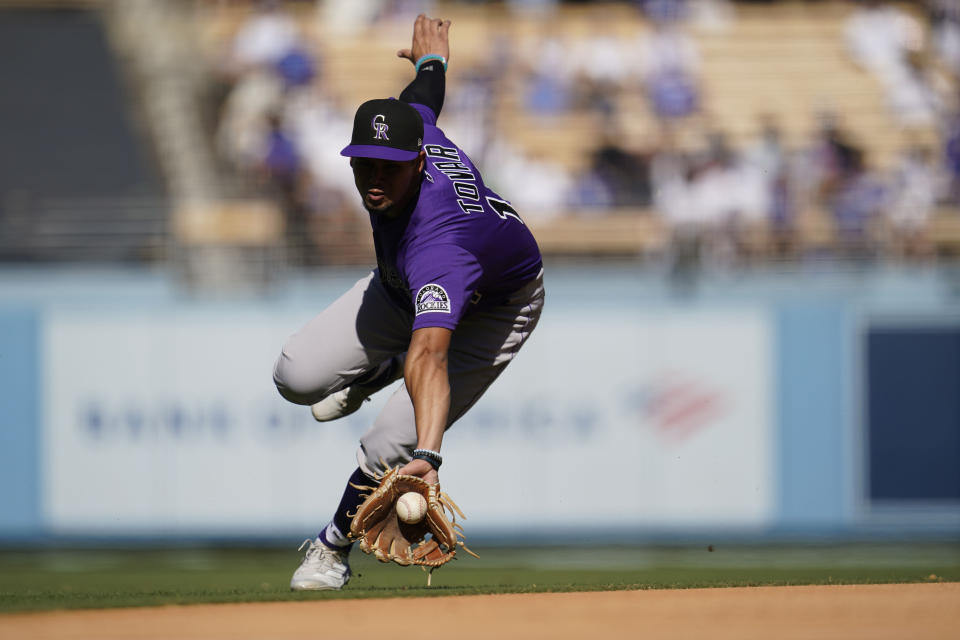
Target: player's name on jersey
x,y
462,176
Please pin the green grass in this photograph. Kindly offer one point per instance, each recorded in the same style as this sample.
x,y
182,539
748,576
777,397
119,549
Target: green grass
x,y
69,579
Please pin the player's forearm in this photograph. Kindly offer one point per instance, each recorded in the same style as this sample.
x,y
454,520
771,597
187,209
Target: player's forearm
x,y
425,373
428,88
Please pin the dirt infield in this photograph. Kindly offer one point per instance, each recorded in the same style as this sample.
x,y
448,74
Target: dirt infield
x,y
848,612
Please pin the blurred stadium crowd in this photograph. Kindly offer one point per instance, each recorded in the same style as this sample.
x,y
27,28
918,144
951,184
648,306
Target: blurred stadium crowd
x,y
607,110
709,131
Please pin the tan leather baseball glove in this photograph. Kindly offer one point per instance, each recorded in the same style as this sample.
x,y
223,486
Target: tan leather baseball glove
x,y
381,532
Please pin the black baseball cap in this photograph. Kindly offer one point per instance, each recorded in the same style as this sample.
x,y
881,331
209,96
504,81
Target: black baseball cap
x,y
386,129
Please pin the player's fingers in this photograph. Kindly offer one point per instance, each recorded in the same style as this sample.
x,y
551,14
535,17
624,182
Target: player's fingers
x,y
421,24
405,53
444,28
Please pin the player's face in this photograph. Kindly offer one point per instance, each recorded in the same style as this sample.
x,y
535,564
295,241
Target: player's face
x,y
386,186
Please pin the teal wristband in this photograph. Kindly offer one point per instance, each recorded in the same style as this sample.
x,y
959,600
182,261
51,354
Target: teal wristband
x,y
428,58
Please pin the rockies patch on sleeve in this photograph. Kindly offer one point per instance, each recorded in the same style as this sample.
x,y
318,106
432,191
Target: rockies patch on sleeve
x,y
432,298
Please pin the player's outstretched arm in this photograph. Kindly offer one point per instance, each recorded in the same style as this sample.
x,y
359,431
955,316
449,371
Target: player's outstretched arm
x,y
431,36
425,374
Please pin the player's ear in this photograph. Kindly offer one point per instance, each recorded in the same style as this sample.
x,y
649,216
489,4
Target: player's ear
x,y
421,161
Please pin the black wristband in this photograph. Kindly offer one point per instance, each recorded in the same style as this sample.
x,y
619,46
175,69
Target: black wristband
x,y
432,457
428,87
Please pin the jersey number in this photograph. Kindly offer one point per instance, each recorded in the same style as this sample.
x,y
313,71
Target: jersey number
x,y
504,209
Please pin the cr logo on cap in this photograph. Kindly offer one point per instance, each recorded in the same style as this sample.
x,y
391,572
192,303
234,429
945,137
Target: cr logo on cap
x,y
379,127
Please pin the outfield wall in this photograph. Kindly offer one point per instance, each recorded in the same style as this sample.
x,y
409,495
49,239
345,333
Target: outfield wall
x,y
763,405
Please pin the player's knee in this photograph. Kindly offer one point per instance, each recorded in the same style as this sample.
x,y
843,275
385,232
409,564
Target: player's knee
x,y
298,383
285,382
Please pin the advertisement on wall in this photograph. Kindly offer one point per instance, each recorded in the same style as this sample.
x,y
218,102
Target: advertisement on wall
x,y
160,424
643,420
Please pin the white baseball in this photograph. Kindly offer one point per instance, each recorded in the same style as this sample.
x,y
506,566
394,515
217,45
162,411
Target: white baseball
x,y
411,507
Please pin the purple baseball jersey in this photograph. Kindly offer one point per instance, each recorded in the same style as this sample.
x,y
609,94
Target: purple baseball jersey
x,y
461,247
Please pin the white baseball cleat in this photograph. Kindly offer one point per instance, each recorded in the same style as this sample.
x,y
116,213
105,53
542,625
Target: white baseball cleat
x,y
340,404
322,568
349,399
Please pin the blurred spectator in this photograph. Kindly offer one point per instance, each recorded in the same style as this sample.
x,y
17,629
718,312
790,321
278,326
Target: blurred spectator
x,y
624,175
712,15
857,206
709,14
831,159
944,20
243,120
885,40
918,101
297,67
783,225
469,112
539,188
879,36
669,169
729,194
768,161
768,153
265,37
664,10
669,67
697,198
951,158
590,193
670,179
915,187
549,78
268,60
314,121
260,133
602,67
280,161
403,11
337,227
282,167
347,17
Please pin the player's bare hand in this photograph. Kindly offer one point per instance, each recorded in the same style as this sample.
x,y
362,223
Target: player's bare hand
x,y
430,36
421,469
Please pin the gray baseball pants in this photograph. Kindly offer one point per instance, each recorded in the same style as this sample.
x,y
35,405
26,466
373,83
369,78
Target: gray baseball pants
x,y
364,335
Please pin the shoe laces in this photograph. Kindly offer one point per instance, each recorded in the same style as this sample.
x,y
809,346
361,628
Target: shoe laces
x,y
321,553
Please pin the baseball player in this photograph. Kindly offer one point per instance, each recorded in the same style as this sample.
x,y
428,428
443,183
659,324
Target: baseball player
x,y
457,291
